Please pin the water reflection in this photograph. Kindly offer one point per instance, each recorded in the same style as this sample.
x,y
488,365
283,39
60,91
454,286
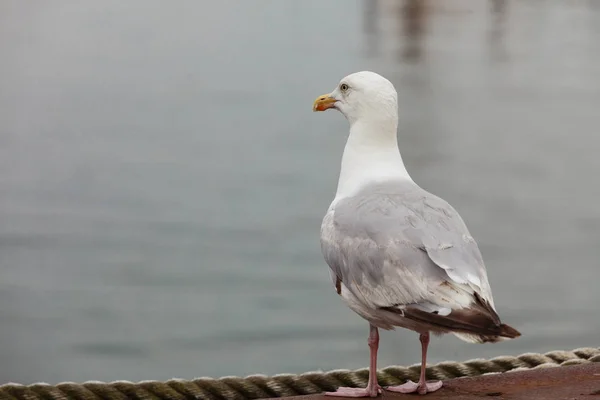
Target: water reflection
x,y
410,19
413,15
371,26
407,17
499,12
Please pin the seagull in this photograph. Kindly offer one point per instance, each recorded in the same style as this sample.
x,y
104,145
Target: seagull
x,y
399,256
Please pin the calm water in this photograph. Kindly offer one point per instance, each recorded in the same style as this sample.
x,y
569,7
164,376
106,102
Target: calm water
x,y
163,178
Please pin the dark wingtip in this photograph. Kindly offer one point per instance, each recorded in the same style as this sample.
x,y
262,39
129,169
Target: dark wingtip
x,y
509,331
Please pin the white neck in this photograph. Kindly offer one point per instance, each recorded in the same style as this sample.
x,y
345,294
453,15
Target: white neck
x,y
371,155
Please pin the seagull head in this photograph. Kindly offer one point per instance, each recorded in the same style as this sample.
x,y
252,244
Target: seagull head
x,y
363,96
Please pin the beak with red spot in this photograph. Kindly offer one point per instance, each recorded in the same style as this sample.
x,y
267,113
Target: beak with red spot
x,y
324,102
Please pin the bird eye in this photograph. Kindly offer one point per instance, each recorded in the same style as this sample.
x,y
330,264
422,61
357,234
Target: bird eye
x,y
343,87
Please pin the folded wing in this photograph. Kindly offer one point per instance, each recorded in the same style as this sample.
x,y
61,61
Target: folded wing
x,y
400,249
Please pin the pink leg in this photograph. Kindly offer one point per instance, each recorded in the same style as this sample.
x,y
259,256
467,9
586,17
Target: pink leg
x,y
373,388
422,387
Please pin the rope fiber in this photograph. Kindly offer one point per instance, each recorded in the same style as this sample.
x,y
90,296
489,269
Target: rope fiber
x,y
260,386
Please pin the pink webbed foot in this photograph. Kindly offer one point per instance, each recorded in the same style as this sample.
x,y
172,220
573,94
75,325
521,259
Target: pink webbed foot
x,y
355,392
411,387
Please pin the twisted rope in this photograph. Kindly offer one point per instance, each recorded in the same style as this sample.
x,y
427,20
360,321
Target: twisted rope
x,y
260,386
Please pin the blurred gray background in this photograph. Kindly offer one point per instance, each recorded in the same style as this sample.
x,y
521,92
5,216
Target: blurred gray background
x,y
163,178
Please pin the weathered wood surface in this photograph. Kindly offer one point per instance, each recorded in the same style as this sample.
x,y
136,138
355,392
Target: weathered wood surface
x,y
581,382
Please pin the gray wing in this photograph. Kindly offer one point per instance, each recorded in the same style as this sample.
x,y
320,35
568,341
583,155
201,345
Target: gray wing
x,y
396,244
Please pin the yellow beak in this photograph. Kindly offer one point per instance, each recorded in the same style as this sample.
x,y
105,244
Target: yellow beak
x,y
324,102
